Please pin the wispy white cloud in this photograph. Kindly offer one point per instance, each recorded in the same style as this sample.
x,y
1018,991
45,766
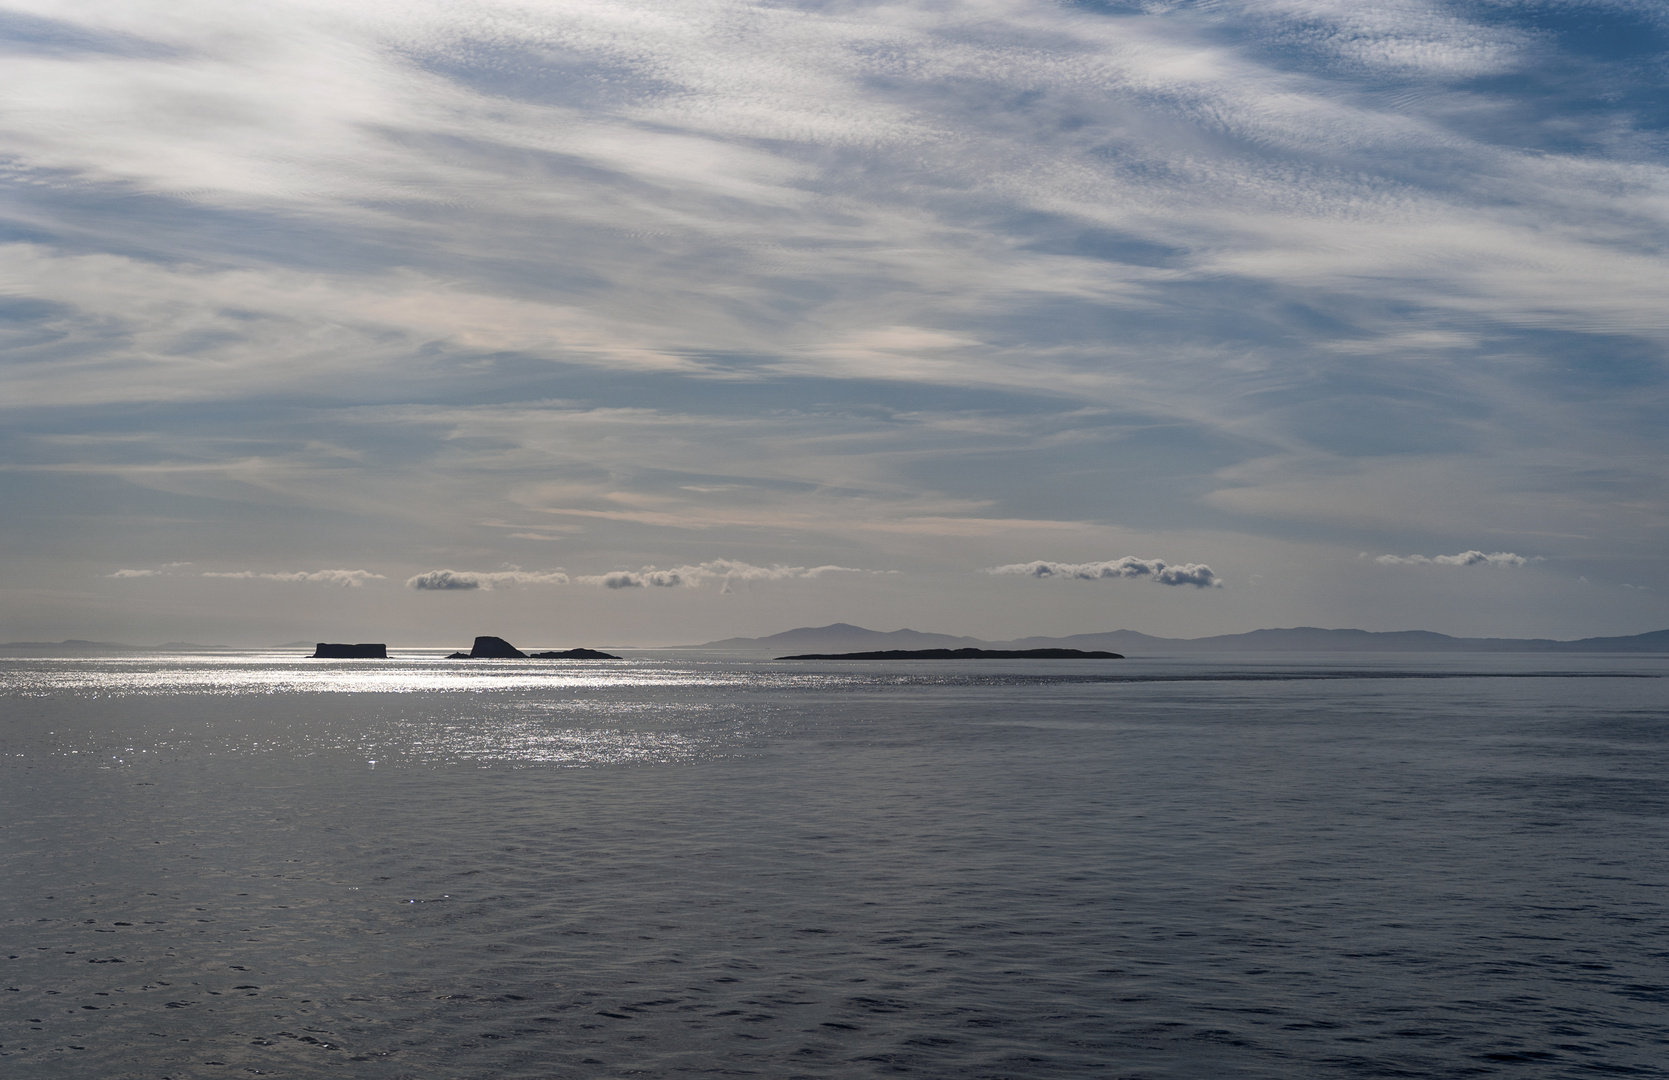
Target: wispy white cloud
x,y
724,571
727,571
1465,558
351,579
407,116
1198,575
1396,37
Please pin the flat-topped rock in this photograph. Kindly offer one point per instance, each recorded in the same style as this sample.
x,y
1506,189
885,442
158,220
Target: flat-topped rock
x,y
573,654
328,650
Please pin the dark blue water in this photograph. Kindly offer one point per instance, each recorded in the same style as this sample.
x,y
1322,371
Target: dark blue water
x,y
1276,867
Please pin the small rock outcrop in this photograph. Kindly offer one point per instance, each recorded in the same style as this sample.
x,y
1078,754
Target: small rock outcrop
x,y
327,650
495,648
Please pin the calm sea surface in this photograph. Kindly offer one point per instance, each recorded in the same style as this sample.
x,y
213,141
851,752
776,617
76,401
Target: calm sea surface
x,y
1275,866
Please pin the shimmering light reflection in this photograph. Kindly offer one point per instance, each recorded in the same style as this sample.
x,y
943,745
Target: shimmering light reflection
x,y
531,742
140,712
527,733
263,674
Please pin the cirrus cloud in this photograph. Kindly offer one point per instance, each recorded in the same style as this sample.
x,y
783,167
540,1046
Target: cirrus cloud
x,y
859,275
1198,575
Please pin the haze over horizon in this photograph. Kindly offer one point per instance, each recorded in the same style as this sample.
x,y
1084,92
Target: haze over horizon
x,y
660,323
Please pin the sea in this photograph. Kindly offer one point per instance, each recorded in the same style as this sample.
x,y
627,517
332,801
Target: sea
x,y
1273,865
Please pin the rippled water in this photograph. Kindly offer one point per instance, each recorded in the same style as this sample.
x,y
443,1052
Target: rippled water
x,y
1276,867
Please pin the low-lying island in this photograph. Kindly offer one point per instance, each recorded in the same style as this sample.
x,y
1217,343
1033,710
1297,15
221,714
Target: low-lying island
x,y
963,654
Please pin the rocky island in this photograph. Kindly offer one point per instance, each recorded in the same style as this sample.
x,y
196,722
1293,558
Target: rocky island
x,y
496,648
490,648
963,654
327,650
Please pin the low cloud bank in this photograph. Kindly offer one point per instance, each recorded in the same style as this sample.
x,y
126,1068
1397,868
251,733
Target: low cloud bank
x,y
694,576
1198,575
351,579
691,576
348,579
1465,558
648,577
455,580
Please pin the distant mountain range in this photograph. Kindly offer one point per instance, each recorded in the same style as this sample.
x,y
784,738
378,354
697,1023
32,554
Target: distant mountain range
x,y
78,645
844,637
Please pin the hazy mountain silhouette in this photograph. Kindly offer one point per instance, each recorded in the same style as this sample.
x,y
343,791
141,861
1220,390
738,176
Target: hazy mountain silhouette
x,y
841,637
76,645
844,637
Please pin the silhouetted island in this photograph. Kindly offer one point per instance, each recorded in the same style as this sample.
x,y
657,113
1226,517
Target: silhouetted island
x,y
326,650
963,654
496,648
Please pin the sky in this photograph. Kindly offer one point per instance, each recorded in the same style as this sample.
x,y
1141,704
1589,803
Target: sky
x,y
660,321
